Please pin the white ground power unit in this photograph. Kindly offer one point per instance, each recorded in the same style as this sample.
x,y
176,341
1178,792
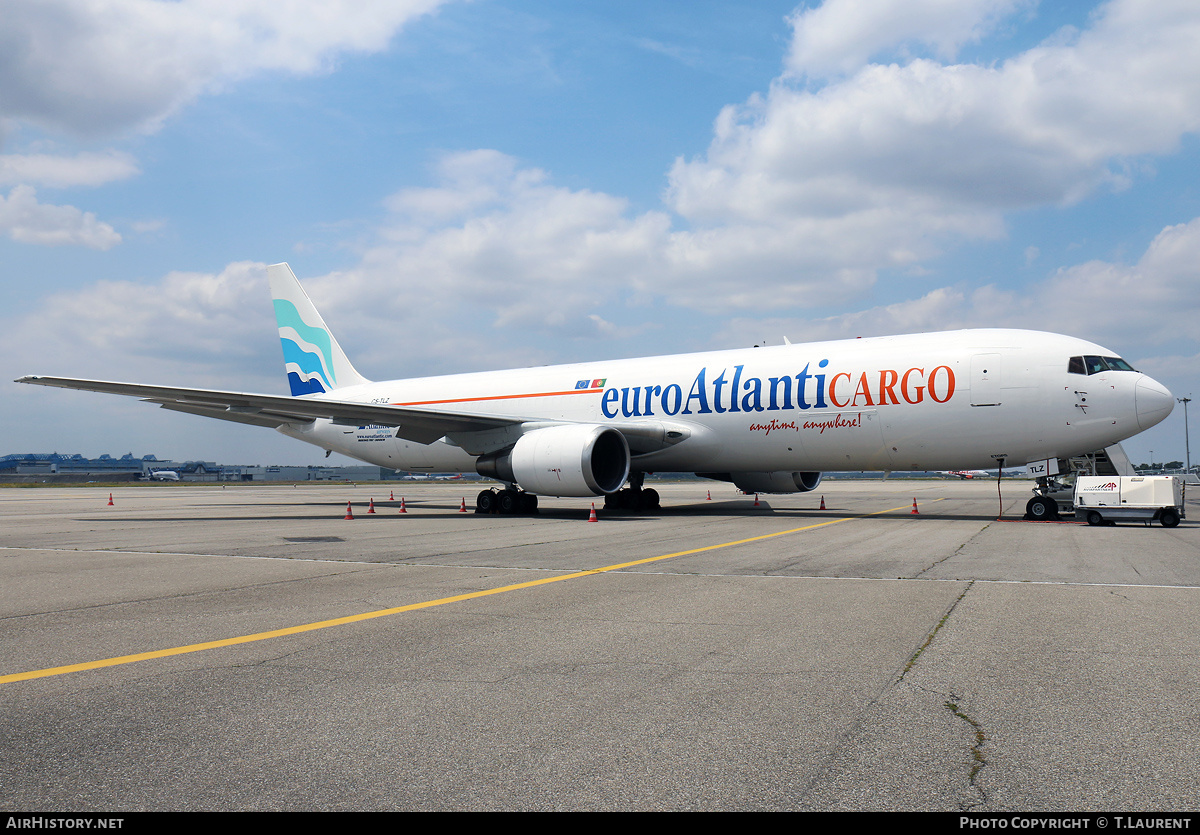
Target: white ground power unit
x,y
1108,499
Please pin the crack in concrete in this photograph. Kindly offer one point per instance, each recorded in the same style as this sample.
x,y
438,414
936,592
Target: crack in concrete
x,y
953,704
956,552
933,633
978,760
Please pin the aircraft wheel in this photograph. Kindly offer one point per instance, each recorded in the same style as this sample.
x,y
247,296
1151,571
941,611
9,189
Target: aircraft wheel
x,y
485,502
623,499
1042,508
528,503
1169,518
629,499
508,501
1094,518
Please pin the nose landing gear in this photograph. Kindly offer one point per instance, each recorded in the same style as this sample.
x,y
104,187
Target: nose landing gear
x,y
1042,509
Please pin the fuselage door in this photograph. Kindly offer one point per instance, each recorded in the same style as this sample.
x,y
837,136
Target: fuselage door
x,y
985,380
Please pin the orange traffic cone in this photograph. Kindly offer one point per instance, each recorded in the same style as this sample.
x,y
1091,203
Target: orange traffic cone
x,y
822,503
914,512
463,507
709,499
391,495
592,514
349,513
371,506
110,504
403,509
756,500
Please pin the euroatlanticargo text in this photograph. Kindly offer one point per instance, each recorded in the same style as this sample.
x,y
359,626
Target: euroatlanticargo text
x,y
816,389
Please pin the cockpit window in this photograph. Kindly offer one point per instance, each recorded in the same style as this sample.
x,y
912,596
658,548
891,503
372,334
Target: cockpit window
x,y
1094,365
1118,364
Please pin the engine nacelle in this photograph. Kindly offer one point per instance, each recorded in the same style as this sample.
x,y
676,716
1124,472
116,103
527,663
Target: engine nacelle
x,y
776,482
569,460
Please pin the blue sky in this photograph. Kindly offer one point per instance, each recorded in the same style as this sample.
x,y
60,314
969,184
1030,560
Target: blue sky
x,y
488,184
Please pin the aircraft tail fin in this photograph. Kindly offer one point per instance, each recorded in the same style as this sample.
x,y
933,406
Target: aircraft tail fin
x,y
311,356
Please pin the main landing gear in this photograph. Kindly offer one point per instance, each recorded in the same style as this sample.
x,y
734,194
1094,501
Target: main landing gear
x,y
633,497
512,500
507,501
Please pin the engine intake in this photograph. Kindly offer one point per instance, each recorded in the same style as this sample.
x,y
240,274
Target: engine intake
x,y
569,460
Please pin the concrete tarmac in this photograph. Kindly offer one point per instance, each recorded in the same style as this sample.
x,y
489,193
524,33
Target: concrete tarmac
x,y
711,655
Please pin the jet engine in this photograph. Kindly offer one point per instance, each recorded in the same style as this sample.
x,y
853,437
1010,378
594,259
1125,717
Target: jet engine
x,y
774,482
568,460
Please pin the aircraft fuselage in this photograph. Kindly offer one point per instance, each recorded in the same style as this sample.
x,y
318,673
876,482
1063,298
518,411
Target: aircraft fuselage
x,y
960,399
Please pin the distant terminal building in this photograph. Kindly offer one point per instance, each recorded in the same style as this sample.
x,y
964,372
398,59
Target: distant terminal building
x,y
243,472
40,466
53,467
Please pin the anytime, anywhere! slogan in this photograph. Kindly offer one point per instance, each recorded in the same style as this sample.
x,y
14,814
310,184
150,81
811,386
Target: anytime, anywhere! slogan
x,y
835,422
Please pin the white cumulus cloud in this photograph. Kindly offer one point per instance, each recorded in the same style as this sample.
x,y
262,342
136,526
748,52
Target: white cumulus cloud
x,y
805,193
1048,126
57,171
93,67
28,221
817,187
840,36
99,67
803,196
210,328
1133,308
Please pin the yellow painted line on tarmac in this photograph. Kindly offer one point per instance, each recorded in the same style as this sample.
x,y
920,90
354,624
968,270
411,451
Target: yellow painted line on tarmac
x,y
412,607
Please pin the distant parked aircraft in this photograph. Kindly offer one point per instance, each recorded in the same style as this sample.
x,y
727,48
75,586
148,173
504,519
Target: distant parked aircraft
x,y
965,473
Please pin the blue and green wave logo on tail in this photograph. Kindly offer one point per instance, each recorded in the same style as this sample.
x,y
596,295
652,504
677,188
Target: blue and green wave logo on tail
x,y
309,362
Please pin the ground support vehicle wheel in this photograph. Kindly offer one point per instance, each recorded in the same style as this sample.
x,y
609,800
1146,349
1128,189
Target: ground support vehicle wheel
x,y
1042,509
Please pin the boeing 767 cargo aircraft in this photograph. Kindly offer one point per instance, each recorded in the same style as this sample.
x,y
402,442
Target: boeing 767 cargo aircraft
x,y
768,419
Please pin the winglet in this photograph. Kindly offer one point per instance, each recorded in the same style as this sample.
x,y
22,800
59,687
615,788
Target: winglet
x,y
311,356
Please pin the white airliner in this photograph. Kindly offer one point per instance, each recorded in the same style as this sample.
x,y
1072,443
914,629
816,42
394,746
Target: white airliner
x,y
965,473
768,419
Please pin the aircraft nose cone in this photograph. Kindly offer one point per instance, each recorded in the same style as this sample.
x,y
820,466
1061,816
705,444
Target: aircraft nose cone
x,y
1153,401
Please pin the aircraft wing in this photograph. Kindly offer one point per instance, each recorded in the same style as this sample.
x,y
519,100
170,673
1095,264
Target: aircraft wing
x,y
419,425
